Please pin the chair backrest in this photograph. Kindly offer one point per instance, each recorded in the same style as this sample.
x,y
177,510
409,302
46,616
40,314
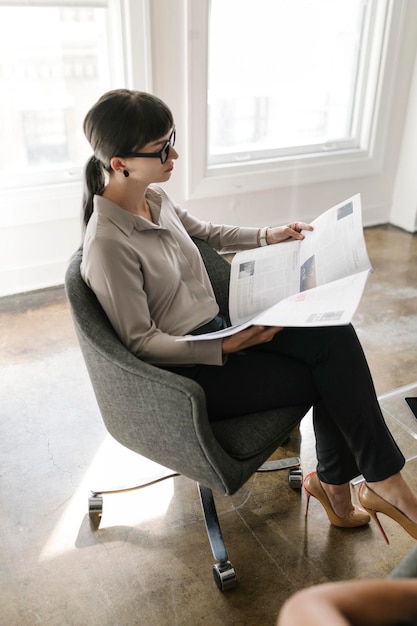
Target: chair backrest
x,y
218,270
151,411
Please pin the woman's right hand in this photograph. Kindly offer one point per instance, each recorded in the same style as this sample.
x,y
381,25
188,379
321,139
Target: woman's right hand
x,y
249,337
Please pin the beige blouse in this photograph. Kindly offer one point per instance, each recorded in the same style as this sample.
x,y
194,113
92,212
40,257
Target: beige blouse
x,y
150,279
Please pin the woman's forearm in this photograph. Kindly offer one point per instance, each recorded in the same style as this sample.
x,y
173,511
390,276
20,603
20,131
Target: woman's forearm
x,y
362,603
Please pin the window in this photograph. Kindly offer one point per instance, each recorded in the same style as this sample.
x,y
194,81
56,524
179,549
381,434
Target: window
x,y
56,58
54,61
288,91
283,77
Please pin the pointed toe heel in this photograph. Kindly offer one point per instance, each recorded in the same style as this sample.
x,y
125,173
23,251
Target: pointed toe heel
x,y
313,487
374,504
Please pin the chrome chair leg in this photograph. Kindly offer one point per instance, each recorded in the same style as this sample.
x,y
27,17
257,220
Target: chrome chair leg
x,y
223,571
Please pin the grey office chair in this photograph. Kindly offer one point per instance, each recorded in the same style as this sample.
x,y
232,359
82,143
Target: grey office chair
x,y
162,416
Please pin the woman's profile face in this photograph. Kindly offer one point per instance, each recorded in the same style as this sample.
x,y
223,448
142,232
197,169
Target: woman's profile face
x,y
155,161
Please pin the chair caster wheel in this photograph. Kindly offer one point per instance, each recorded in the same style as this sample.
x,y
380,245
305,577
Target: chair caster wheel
x,y
95,509
295,478
224,576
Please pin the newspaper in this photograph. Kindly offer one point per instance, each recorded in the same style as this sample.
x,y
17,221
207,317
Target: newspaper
x,y
317,281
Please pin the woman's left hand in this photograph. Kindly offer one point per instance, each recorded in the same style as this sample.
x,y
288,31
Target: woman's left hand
x,y
277,234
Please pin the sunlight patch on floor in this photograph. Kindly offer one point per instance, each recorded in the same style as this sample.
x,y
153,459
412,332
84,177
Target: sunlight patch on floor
x,y
113,467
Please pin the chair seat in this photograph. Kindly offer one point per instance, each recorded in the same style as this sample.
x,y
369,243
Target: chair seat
x,y
247,436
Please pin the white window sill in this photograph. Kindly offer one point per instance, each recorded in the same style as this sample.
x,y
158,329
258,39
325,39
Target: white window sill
x,y
301,170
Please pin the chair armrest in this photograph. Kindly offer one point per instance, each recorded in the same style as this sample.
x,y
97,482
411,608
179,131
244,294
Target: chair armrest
x,y
159,415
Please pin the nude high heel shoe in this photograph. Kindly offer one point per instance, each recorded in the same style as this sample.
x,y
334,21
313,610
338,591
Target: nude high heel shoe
x,y
374,504
314,488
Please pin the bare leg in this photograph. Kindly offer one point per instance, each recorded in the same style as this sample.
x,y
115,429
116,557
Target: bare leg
x,y
393,489
340,498
397,492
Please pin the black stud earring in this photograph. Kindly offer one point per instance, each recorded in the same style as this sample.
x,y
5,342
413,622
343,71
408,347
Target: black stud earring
x,y
125,173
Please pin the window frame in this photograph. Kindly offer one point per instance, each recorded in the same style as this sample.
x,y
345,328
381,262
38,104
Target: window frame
x,y
384,28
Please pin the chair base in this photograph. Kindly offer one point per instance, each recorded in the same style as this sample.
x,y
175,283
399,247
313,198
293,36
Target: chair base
x,y
295,473
276,465
223,571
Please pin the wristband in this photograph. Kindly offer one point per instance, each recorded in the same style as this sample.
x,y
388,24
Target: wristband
x,y
262,236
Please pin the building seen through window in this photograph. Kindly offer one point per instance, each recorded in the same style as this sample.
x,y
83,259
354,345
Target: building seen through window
x,y
53,63
283,76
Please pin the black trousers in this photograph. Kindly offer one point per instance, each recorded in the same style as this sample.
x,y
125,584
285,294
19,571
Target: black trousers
x,y
323,366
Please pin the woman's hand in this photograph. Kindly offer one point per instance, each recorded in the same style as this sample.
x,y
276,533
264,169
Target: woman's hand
x,y
249,337
282,233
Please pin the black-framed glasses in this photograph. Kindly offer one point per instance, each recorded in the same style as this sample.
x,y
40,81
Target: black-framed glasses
x,y
162,154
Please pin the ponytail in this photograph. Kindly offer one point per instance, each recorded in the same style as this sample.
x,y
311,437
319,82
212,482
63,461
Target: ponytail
x,y
94,183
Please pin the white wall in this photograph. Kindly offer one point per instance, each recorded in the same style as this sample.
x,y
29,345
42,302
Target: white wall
x,y
404,204
39,229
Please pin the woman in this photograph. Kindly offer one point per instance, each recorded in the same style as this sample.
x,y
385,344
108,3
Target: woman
x,y
147,274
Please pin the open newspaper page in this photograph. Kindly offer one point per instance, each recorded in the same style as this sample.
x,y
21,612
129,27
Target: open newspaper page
x,y
335,249
318,281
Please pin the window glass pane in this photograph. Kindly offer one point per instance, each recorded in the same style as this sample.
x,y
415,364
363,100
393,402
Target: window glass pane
x,y
282,75
53,63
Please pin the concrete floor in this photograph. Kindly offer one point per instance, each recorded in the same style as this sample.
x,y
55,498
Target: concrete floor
x,y
150,562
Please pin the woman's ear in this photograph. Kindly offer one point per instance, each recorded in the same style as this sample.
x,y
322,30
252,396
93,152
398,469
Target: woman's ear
x,y
117,164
